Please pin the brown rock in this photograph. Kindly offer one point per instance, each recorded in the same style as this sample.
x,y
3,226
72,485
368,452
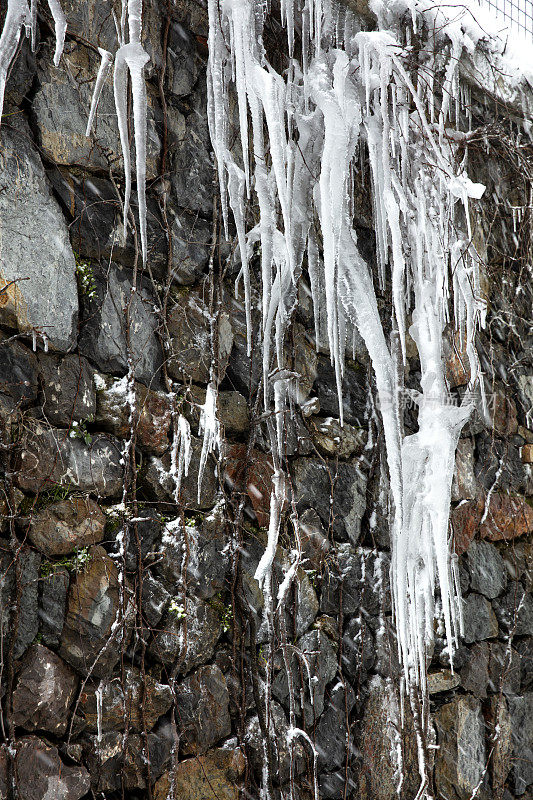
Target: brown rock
x,y
508,517
157,700
49,457
202,702
460,759
527,453
40,773
153,410
465,519
45,689
217,774
464,485
259,470
334,440
503,413
456,359
442,681
92,609
66,526
500,763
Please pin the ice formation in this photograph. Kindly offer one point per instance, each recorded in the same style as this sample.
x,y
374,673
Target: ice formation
x,y
19,15
349,95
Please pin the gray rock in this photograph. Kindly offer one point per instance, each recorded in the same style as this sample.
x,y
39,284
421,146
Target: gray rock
x,y
45,690
52,605
487,569
379,740
525,651
21,74
354,392
332,730
155,599
202,700
39,268
42,774
460,759
479,619
18,371
504,668
316,649
233,410
183,71
189,325
333,785
51,457
206,565
191,245
68,389
282,752
148,525
514,610
502,458
243,371
521,711
203,628
108,764
358,650
354,578
312,482
103,337
67,525
61,107
160,483
192,163
27,619
475,672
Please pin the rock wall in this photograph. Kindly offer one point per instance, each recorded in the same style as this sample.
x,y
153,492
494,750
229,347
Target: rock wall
x,y
133,641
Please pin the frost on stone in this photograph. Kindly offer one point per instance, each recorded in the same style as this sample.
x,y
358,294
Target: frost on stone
x,y
352,95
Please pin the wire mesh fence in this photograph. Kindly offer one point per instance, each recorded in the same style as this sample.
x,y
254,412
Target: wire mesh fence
x,y
517,14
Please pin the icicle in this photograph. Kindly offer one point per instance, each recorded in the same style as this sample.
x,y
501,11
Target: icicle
x,y
210,427
18,15
60,24
106,59
180,454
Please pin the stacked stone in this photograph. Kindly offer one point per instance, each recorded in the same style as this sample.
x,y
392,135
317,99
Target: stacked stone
x,y
190,704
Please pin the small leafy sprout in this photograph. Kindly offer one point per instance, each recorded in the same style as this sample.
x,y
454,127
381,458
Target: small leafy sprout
x,y
177,609
78,430
224,611
85,276
75,563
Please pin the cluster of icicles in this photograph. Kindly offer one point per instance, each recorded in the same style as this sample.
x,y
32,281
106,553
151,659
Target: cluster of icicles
x,y
344,95
130,57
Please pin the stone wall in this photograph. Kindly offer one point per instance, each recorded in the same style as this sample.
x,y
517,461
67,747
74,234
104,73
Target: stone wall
x,y
132,665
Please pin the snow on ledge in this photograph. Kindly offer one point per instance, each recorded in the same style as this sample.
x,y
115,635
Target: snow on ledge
x,y
493,58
